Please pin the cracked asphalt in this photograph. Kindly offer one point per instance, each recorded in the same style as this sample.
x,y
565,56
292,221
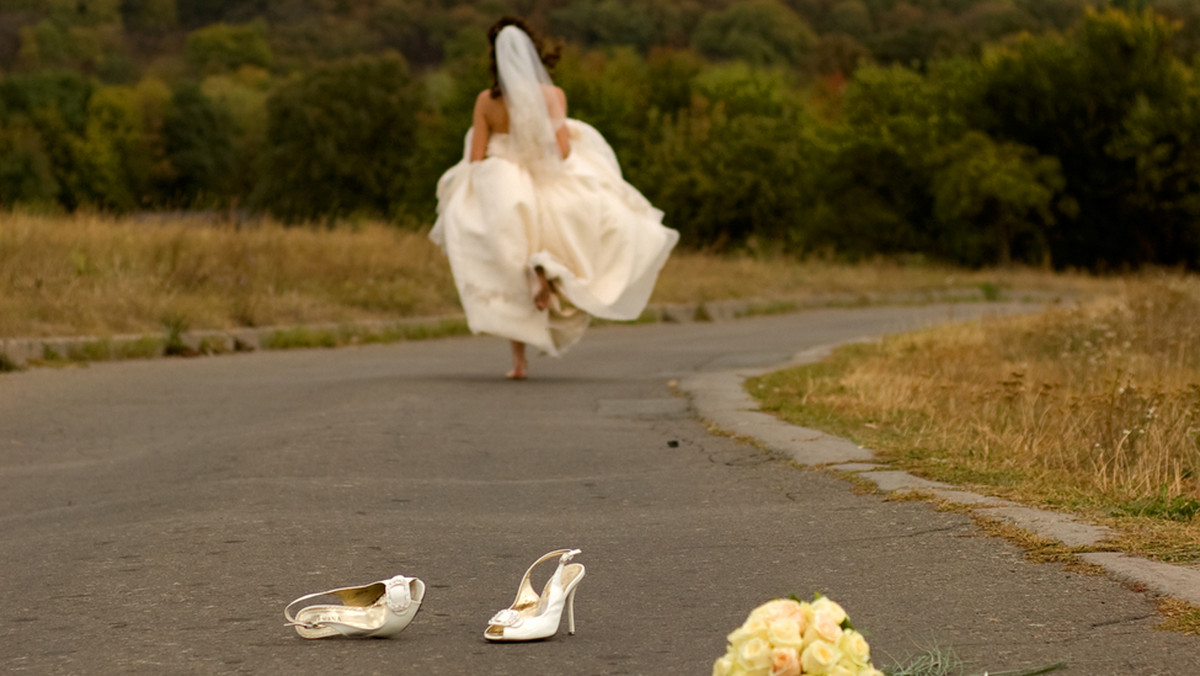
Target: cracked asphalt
x,y
158,515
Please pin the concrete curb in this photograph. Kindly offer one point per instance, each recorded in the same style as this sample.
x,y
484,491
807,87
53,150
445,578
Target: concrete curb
x,y
20,352
721,399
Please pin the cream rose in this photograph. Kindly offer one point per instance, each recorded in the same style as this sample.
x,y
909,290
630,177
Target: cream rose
x,y
723,666
778,608
784,632
754,655
753,628
843,669
819,657
854,646
826,626
785,662
823,606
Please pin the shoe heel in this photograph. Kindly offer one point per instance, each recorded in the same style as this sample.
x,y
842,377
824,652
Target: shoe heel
x,y
571,612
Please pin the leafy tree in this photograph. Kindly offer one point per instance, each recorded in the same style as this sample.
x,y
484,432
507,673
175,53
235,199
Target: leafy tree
x,y
79,13
609,91
304,43
149,14
198,139
241,97
43,45
733,168
55,104
839,54
222,47
111,157
339,139
641,24
741,89
26,175
761,32
850,17
1083,98
994,201
875,168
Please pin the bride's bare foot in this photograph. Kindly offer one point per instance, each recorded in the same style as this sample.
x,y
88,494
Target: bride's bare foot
x,y
541,300
519,362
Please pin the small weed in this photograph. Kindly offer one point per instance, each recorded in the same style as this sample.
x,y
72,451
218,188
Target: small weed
x,y
991,291
92,350
7,365
175,325
139,348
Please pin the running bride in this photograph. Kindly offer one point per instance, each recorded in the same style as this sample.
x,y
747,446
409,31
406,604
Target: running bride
x,y
540,229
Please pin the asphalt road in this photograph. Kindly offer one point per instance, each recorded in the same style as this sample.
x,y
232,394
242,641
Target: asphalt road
x,y
157,516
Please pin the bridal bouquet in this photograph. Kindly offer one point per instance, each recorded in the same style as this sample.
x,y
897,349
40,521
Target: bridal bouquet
x,y
788,638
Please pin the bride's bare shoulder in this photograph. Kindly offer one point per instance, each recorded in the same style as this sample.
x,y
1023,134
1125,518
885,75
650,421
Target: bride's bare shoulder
x,y
485,100
490,109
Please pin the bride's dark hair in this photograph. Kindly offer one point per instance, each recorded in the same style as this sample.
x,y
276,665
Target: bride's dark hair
x,y
550,53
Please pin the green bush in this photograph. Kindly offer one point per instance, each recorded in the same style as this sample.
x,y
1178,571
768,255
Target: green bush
x,y
339,139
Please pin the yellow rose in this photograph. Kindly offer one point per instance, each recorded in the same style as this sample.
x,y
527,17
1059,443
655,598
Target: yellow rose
x,y
778,608
843,669
823,606
784,632
753,628
871,671
723,666
785,662
819,657
754,655
826,626
854,646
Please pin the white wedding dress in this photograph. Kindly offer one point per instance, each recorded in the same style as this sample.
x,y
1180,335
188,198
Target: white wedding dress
x,y
599,241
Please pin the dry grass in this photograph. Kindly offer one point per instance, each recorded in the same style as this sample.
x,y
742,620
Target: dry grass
x,y
99,275
95,275
1093,409
1179,616
691,276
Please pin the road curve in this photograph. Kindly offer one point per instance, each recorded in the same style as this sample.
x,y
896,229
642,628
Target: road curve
x,y
158,515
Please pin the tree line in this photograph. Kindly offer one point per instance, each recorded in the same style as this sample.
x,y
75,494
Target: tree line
x,y
1059,132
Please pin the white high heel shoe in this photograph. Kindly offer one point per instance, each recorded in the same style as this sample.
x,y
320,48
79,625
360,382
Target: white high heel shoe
x,y
376,610
532,617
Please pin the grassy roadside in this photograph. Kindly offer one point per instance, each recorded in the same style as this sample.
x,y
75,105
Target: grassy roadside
x,y
102,276
1092,409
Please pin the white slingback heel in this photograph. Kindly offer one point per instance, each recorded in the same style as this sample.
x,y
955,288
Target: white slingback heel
x,y
378,610
532,617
